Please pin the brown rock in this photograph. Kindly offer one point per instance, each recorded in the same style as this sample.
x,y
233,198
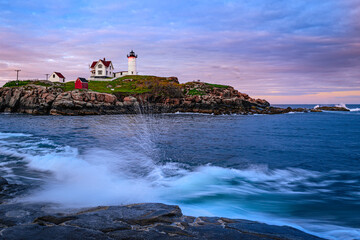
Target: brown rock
x,y
109,98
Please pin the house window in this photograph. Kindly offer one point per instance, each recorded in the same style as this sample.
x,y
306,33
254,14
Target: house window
x,y
53,75
100,72
99,66
106,72
132,72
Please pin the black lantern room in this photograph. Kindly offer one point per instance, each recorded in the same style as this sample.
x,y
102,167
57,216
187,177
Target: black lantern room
x,y
132,54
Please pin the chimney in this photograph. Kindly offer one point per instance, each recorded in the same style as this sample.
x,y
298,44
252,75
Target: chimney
x,y
104,59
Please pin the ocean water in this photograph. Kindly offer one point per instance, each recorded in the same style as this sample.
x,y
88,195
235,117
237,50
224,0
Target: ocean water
x,y
298,169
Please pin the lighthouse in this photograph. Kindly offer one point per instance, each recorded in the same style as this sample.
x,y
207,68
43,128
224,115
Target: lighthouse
x,y
132,63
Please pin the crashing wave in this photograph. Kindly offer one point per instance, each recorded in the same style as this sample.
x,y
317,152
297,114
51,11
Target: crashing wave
x,y
342,105
112,177
351,109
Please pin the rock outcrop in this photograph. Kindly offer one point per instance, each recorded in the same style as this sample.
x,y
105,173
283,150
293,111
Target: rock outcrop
x,y
329,108
31,99
35,99
136,221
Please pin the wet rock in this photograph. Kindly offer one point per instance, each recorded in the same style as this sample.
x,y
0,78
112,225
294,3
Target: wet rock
x,y
138,235
214,232
172,231
273,232
38,232
327,108
53,219
136,221
20,213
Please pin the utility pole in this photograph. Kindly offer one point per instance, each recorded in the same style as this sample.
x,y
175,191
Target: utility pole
x,y
47,76
17,74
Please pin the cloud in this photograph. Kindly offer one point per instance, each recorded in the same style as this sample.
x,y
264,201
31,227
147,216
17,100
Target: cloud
x,y
265,48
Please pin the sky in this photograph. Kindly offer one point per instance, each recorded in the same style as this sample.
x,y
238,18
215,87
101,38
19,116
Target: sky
x,y
286,51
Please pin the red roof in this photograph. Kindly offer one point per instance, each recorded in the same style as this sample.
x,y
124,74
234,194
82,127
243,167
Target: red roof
x,y
106,63
59,75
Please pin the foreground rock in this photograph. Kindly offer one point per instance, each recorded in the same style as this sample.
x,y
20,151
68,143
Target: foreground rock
x,y
137,221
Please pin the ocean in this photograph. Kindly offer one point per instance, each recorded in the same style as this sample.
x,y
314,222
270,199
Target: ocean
x,y
297,169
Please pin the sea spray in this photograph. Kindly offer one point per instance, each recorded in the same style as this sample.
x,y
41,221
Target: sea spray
x,y
278,169
341,105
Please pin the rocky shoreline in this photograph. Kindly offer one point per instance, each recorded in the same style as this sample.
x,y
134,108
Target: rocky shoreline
x,y
52,100
41,100
136,221
39,221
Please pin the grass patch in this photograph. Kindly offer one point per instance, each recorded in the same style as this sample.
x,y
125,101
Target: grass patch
x,y
217,85
16,83
24,83
194,92
130,84
42,84
106,86
68,86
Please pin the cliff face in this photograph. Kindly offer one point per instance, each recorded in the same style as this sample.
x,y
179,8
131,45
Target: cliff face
x,y
35,99
31,99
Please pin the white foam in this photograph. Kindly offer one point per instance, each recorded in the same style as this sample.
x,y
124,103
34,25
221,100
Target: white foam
x,y
4,135
342,105
130,175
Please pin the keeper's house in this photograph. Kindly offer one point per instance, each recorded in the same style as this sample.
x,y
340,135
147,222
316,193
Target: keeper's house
x,y
102,69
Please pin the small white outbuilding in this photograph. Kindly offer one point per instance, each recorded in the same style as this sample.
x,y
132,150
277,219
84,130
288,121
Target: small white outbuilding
x,y
57,77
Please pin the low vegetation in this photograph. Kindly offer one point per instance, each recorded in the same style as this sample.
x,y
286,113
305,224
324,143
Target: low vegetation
x,y
23,83
216,85
194,92
135,84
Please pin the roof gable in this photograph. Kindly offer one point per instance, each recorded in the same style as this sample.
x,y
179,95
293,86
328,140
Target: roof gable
x,y
59,75
106,63
82,79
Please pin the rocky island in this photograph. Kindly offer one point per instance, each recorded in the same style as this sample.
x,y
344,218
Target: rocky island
x,y
131,95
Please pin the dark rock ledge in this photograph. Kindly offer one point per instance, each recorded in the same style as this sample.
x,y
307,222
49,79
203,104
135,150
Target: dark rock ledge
x,y
136,221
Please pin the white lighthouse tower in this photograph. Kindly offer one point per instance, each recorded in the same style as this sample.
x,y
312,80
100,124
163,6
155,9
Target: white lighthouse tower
x,y
132,63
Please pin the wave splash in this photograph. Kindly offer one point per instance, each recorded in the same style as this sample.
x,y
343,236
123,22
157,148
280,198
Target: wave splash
x,y
351,109
342,105
102,177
